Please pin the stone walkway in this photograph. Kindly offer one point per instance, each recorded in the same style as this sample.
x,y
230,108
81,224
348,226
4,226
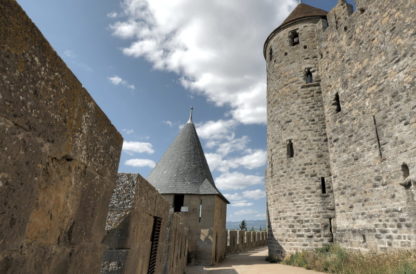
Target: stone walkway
x,y
248,263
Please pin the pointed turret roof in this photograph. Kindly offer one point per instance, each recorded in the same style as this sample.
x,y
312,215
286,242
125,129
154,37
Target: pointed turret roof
x,y
303,10
183,168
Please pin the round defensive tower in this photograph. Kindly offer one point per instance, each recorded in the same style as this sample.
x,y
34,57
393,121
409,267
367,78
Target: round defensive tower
x,y
298,181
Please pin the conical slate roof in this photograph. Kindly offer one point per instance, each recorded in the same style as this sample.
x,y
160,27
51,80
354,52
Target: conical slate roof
x,y
183,168
303,10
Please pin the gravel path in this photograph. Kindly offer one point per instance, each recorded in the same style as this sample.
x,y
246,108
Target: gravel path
x,y
252,262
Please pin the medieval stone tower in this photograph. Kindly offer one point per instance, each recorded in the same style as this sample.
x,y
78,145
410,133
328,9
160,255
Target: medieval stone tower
x,y
183,178
299,179
341,98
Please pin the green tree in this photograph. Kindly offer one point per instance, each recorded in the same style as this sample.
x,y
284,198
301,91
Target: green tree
x,y
243,225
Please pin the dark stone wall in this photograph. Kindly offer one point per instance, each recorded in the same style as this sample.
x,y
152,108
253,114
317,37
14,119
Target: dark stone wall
x,y
59,157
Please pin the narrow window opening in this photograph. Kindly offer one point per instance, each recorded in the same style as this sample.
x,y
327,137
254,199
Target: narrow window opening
x,y
270,54
337,103
378,137
200,210
154,239
290,150
405,170
293,38
178,202
364,239
308,76
331,231
323,185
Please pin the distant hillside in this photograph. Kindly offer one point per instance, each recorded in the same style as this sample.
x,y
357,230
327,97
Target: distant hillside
x,y
257,224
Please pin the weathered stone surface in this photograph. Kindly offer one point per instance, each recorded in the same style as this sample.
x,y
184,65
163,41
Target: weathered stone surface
x,y
249,240
207,236
133,206
295,112
59,157
372,68
368,58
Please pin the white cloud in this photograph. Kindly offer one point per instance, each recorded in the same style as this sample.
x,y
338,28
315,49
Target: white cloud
x,y
237,144
254,159
140,163
237,180
117,80
128,131
241,204
214,46
138,147
112,14
254,194
169,123
233,196
215,130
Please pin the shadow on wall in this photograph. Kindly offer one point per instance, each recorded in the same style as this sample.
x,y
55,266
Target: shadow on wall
x,y
276,250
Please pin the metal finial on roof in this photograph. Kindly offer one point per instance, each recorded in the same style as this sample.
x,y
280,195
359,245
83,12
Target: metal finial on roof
x,y
190,115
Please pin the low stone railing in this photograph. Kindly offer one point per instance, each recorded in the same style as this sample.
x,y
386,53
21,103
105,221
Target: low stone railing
x,y
239,241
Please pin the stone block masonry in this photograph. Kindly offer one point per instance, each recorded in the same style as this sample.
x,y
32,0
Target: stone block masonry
x,y
369,61
59,157
133,246
341,128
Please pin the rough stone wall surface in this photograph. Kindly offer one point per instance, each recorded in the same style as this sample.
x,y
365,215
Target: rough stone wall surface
x,y
130,230
259,238
122,199
366,149
59,157
300,213
207,241
369,59
177,251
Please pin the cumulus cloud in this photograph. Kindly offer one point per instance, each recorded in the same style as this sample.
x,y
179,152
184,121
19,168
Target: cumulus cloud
x,y
241,204
237,180
117,80
140,163
215,47
252,160
254,194
233,196
138,147
216,130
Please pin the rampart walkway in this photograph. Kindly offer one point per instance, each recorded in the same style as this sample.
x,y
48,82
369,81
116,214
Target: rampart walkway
x,y
248,263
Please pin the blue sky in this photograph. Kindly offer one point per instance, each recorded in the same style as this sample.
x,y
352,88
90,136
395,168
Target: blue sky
x,y
145,62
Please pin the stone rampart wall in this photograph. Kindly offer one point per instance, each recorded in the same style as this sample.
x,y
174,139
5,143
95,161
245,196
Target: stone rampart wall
x,y
368,57
59,157
130,223
240,241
